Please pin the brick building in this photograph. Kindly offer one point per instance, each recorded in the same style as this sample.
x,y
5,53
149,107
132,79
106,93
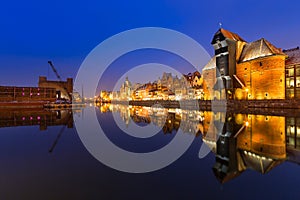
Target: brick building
x,y
292,73
26,94
64,89
260,69
243,70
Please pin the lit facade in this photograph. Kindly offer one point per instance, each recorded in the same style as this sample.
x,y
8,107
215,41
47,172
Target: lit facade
x,y
260,70
292,74
168,87
126,90
244,70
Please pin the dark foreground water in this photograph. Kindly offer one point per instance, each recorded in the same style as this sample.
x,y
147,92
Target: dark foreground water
x,y
252,157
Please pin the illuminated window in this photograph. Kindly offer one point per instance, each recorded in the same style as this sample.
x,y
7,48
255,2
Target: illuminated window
x,y
289,72
291,141
292,130
289,82
298,82
298,70
298,131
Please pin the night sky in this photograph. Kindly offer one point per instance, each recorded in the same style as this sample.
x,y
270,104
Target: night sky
x,y
33,32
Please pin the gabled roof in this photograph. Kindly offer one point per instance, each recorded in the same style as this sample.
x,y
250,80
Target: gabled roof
x,y
231,35
293,56
222,34
258,49
196,73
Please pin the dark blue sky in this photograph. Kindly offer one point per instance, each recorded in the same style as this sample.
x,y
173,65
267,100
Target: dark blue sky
x,y
33,32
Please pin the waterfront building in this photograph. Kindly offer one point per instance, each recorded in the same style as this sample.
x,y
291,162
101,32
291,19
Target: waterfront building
x,y
26,94
167,80
292,73
209,79
260,71
244,70
64,89
47,91
126,90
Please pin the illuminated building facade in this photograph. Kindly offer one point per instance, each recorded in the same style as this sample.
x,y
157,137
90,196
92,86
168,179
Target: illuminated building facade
x,y
209,79
260,71
126,90
168,87
292,73
244,70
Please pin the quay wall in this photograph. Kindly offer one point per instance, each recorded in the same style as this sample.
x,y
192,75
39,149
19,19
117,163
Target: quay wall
x,y
229,104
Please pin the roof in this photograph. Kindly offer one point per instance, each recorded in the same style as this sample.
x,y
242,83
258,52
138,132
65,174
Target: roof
x,y
222,34
196,73
258,49
231,35
293,56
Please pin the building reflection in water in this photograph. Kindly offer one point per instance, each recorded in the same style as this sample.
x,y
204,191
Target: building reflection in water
x,y
169,119
36,117
239,141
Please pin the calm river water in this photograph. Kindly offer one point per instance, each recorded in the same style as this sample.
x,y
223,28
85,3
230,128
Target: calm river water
x,y
243,156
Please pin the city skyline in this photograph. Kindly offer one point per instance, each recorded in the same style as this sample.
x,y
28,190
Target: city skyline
x,y
33,33
160,99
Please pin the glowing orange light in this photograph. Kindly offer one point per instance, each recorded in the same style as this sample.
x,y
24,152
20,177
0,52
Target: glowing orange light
x,y
247,123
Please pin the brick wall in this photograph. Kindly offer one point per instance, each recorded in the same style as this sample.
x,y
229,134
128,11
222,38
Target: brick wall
x,y
65,87
22,94
209,80
264,78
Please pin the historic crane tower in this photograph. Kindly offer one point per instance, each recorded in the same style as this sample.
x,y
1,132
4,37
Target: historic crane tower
x,y
226,46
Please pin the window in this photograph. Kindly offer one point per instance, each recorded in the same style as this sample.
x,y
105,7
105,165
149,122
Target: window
x,y
298,70
290,93
289,72
222,71
289,82
298,82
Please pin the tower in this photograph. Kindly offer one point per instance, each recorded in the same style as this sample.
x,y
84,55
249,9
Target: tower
x,y
226,45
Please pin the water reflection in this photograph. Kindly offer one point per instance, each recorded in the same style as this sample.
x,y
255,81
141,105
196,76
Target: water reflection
x,y
36,117
239,141
190,121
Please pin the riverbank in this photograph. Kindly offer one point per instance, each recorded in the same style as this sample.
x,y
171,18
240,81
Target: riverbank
x,y
23,104
217,104
37,105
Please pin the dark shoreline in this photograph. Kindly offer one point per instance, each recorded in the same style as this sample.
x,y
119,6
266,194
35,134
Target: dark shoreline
x,y
258,107
230,104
